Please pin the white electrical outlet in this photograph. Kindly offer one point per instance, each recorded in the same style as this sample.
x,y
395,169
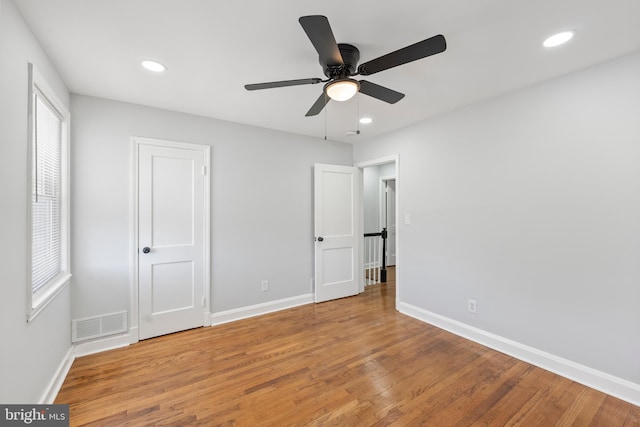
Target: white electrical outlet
x,y
472,306
407,219
265,285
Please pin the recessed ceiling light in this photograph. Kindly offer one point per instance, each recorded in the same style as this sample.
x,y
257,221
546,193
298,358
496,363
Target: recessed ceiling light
x,y
558,39
366,120
154,66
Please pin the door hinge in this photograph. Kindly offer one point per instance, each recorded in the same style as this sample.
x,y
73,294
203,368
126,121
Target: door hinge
x,y
204,301
204,170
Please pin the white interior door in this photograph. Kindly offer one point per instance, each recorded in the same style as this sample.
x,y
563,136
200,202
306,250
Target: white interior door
x,y
391,221
338,232
172,269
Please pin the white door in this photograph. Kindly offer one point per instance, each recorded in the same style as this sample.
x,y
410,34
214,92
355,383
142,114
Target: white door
x,y
391,221
172,270
338,233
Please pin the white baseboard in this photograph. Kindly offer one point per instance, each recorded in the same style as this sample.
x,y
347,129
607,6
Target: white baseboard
x,y
56,382
259,309
103,344
606,383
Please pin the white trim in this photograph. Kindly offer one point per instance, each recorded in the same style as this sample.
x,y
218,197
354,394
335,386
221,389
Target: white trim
x,y
171,144
395,158
606,383
52,389
207,316
36,302
382,208
134,335
133,225
259,309
100,345
360,231
398,231
378,162
43,297
133,241
382,217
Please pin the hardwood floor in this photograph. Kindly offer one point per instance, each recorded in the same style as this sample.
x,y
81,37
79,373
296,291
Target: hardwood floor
x,y
350,362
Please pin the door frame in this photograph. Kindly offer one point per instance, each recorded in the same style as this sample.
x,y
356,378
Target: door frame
x,y
382,206
395,158
136,142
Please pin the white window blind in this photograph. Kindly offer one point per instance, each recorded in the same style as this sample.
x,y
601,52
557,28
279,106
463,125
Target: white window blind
x,y
48,205
47,231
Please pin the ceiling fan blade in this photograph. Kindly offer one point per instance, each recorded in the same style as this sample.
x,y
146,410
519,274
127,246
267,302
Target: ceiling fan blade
x,y
317,106
380,92
283,83
319,32
428,47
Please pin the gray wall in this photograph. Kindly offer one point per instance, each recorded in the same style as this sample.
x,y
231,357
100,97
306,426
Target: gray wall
x,y
261,203
31,353
530,203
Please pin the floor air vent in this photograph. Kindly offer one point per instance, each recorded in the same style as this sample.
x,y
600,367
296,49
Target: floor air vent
x,y
99,326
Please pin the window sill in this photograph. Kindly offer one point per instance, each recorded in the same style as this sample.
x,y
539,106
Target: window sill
x,y
43,297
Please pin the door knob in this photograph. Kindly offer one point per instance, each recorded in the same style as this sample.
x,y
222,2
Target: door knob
x,y
146,249
320,239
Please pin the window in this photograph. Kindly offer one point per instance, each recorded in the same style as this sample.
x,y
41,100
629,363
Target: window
x,y
49,201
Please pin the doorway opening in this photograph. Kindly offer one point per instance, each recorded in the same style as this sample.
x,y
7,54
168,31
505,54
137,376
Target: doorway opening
x,y
379,216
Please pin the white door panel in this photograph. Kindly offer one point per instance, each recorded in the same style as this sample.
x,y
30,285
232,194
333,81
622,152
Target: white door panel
x,y
172,188
337,231
166,297
171,237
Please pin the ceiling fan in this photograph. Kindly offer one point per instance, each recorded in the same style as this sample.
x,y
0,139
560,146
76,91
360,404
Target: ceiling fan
x,y
339,63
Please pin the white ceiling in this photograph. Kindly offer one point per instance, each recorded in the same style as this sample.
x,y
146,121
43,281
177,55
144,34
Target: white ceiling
x,y
212,48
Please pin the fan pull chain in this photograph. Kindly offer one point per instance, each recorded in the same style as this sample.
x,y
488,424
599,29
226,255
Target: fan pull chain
x,y
358,114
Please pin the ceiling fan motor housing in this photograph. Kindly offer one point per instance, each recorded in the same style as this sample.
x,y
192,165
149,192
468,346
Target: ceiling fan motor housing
x,y
350,57
339,63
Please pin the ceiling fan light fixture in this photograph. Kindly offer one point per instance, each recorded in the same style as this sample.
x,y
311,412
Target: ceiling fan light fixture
x,y
342,90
